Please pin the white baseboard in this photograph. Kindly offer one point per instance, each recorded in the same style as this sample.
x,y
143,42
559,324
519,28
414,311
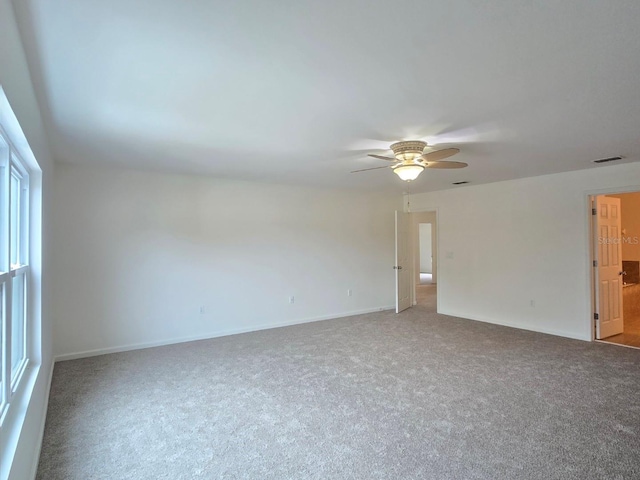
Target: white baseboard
x,y
530,328
220,333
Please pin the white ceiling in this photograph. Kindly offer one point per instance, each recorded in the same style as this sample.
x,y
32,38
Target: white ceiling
x,y
295,91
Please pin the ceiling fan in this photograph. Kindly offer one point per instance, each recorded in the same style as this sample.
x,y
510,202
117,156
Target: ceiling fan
x,y
411,159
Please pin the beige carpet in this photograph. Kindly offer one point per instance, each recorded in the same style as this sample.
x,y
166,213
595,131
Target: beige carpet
x,y
381,396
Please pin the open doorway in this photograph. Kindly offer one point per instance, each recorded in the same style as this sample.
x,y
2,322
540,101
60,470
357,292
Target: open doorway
x,y
425,254
616,286
425,258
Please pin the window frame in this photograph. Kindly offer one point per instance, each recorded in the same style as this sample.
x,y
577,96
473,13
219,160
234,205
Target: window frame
x,y
12,167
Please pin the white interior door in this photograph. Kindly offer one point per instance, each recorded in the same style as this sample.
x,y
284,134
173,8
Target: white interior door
x,y
402,267
609,267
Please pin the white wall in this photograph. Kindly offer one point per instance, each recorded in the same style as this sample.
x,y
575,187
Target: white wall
x,y
21,434
142,252
504,245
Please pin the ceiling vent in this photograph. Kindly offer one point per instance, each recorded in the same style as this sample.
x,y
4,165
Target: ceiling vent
x,y
459,183
610,159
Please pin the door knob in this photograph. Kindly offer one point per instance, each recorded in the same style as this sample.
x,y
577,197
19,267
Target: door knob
x,y
397,268
622,273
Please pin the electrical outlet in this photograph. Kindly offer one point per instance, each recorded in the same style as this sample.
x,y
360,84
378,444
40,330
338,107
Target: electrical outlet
x,y
292,299
532,303
349,293
202,310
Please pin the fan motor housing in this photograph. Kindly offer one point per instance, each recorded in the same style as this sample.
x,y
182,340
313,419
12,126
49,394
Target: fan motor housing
x,y
408,150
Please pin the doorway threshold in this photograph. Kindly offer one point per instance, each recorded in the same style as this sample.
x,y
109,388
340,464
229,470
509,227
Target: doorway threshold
x,y
617,344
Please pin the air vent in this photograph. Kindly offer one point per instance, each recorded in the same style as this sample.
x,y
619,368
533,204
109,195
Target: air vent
x,y
605,160
459,183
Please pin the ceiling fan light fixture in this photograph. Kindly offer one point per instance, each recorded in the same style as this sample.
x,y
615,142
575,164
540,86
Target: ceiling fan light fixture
x,y
408,172
410,159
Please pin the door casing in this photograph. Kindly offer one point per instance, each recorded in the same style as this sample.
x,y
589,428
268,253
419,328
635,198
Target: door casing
x,y
591,254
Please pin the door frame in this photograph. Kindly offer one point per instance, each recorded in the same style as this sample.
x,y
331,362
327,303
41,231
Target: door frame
x,y
591,235
414,246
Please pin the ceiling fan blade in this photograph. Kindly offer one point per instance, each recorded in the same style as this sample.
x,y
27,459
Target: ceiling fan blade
x,y
373,168
446,165
383,158
439,154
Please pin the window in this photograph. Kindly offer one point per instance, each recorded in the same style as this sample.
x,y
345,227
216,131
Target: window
x,y
14,270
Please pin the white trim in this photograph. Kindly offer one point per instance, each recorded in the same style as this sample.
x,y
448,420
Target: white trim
x,y
36,458
557,333
592,201
13,434
19,407
221,333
